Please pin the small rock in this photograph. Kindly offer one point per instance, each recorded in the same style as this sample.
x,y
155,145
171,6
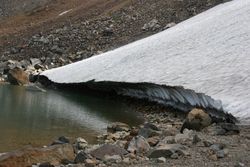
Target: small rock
x,y
108,149
113,158
126,160
239,164
153,141
169,25
167,150
46,164
118,126
174,156
161,160
230,128
35,61
81,143
90,163
149,130
81,157
152,25
63,139
138,145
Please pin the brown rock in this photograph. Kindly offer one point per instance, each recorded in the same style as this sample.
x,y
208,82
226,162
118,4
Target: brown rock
x,y
17,76
197,119
28,156
118,126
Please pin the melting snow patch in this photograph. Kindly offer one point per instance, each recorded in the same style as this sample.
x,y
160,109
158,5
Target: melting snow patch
x,y
208,53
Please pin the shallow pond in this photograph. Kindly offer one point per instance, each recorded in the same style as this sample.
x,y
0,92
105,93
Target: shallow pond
x,y
36,118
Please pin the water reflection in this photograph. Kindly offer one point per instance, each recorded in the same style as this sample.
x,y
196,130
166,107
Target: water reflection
x,y
36,117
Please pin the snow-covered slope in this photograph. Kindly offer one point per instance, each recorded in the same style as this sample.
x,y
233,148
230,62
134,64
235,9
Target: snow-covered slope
x,y
209,53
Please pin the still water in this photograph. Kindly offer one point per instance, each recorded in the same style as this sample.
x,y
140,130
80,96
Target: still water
x,y
36,118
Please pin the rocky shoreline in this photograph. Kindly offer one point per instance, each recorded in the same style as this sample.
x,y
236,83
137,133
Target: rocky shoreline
x,y
157,142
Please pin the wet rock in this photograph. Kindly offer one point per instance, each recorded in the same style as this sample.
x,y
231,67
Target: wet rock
x,y
81,157
108,149
118,126
17,76
197,119
151,26
138,145
81,143
28,156
167,150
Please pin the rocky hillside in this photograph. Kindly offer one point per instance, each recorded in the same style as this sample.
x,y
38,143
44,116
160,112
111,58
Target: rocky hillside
x,y
65,32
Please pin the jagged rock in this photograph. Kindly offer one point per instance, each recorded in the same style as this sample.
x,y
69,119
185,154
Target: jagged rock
x,y
28,156
108,149
118,126
138,145
81,143
17,76
167,150
197,119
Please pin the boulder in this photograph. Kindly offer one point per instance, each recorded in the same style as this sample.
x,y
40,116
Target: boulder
x,y
197,119
108,149
17,76
138,145
28,156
